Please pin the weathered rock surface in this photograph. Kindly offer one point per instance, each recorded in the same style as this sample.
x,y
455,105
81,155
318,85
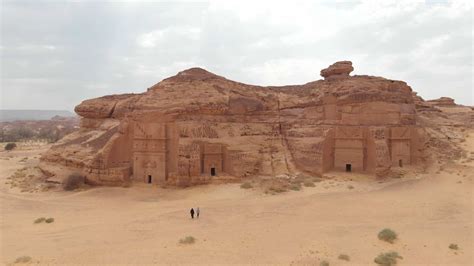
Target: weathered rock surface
x,y
337,70
197,126
443,101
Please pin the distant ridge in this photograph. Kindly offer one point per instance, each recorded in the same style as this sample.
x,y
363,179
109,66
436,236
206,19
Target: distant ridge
x,y
13,115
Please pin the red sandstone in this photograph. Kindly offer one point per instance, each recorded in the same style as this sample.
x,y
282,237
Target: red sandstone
x,y
196,126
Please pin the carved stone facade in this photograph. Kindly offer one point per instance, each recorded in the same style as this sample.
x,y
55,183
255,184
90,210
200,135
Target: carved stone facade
x,y
196,127
368,149
151,146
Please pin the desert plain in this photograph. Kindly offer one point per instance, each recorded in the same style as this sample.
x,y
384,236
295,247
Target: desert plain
x,y
143,224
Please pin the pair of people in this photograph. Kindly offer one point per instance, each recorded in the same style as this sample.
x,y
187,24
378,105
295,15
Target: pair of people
x,y
194,212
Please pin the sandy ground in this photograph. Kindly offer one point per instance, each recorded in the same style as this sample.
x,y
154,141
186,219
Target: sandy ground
x,y
143,224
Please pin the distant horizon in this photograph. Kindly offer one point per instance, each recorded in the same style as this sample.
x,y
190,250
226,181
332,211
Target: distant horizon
x,y
54,110
9,115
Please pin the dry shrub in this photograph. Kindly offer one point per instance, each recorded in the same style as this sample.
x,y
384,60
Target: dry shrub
x,y
23,259
324,263
10,146
387,258
295,187
309,184
277,189
387,235
49,220
73,181
187,240
344,257
246,185
316,179
453,246
275,186
40,220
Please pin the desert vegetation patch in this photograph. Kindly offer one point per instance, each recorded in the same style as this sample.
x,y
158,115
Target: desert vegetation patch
x,y
387,235
187,240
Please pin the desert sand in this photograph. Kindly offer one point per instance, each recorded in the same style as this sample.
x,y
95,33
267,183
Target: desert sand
x,y
143,224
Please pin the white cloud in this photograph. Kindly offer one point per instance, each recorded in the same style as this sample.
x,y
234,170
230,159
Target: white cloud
x,y
134,45
178,34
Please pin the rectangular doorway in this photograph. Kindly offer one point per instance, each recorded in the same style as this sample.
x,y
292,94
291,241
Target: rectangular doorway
x,y
213,171
149,179
400,163
348,167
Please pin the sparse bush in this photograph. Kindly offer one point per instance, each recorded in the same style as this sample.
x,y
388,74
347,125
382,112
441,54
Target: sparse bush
x,y
350,187
453,246
187,240
73,181
246,185
387,258
295,187
10,146
387,235
309,184
277,189
23,259
344,257
49,220
40,220
324,263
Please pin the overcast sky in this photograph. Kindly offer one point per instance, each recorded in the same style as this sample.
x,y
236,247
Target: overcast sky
x,y
54,55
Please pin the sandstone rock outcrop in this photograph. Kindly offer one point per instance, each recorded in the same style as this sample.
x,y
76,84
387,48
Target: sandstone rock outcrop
x,y
197,126
337,70
443,101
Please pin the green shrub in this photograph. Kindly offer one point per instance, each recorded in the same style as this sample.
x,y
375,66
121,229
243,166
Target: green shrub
x,y
344,257
49,220
40,220
324,263
309,184
387,235
10,146
187,240
453,246
387,258
246,185
73,181
23,259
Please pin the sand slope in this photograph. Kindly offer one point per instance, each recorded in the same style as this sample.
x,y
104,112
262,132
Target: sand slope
x,y
142,225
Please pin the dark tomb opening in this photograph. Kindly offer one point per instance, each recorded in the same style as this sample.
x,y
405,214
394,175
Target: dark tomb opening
x,y
348,167
213,171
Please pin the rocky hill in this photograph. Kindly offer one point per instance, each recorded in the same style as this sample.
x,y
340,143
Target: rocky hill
x,y
196,127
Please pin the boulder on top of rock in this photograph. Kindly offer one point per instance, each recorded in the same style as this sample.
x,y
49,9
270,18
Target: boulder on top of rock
x,y
443,101
337,70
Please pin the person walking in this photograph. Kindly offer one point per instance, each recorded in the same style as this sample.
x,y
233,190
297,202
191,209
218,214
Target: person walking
x,y
192,213
197,212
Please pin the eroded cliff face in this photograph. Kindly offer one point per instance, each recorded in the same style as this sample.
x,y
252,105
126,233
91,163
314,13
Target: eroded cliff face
x,y
196,126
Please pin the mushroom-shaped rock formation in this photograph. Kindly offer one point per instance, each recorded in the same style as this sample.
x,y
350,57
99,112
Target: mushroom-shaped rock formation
x,y
337,70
